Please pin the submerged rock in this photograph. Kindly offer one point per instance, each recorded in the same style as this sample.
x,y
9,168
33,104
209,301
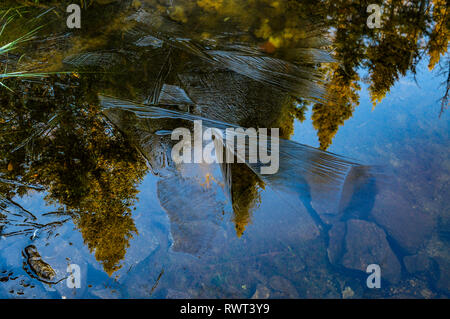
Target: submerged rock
x,y
444,274
283,288
408,225
366,244
261,292
417,263
40,268
348,293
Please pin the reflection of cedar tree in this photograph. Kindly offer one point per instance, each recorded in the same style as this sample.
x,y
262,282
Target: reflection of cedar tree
x,y
388,53
84,166
440,35
103,208
107,233
388,60
277,22
177,13
210,5
245,188
340,103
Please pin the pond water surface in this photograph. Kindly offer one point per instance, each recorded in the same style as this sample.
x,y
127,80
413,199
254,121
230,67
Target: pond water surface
x,y
87,177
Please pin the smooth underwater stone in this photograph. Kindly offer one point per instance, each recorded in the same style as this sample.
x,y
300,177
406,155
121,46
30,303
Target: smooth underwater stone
x,y
417,263
443,282
407,224
261,292
283,287
43,270
366,244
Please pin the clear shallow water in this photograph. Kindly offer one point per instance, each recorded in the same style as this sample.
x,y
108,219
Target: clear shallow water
x,y
190,235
